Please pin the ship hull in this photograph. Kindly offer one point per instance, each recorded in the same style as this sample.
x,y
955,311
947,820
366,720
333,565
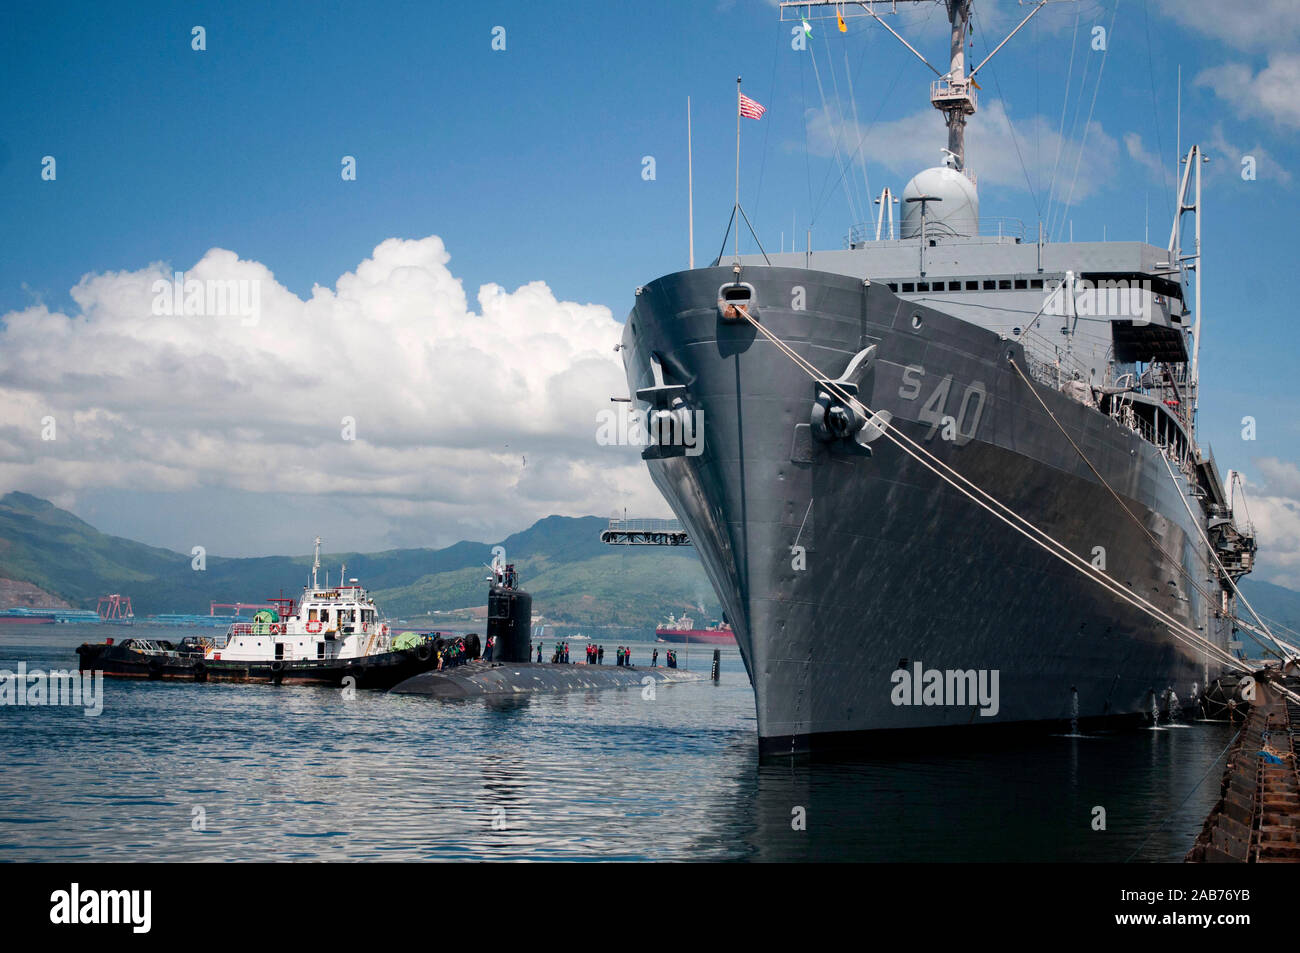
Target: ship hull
x,y
840,569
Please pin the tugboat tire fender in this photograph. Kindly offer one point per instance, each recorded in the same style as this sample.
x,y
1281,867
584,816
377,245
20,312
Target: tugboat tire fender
x,y
424,651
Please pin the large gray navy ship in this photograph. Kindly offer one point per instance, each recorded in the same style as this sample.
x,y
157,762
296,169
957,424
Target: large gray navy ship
x,y
949,477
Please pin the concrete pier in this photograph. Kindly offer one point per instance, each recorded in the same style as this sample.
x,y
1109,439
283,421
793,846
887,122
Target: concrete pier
x,y
1257,818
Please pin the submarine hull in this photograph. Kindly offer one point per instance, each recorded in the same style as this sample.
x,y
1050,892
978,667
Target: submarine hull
x,y
524,678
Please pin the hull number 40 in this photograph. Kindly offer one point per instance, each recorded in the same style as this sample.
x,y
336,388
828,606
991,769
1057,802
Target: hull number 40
x,y
960,426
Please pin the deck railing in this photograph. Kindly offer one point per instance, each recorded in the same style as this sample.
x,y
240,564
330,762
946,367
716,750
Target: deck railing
x,y
997,226
645,533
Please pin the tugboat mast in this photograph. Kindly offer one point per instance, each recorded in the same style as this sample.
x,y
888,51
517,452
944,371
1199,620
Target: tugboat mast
x,y
315,565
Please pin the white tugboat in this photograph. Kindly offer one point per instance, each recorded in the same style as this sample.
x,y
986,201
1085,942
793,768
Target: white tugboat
x,y
330,623
331,633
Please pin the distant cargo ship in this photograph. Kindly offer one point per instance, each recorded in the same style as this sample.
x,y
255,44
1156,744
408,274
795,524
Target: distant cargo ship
x,y
26,616
683,630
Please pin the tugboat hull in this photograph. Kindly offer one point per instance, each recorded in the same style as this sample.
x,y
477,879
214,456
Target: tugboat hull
x,y
380,671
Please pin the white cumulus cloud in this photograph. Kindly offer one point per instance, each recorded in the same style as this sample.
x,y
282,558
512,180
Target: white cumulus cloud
x,y
1273,505
1267,94
1257,25
465,418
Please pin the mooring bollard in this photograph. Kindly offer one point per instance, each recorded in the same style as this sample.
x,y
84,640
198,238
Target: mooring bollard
x,y
717,664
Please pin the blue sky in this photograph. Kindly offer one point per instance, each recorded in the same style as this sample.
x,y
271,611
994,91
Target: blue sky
x,y
527,163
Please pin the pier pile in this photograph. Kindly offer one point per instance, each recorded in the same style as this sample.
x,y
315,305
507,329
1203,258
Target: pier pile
x,y
1257,818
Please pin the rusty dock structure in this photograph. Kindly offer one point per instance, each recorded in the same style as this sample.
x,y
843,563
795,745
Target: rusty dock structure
x,y
1257,817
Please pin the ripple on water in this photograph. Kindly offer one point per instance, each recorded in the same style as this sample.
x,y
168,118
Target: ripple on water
x,y
301,773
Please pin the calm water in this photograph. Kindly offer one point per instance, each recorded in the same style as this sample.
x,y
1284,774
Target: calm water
x,y
303,774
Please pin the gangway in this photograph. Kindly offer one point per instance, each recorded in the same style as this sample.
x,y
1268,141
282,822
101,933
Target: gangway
x,y
645,533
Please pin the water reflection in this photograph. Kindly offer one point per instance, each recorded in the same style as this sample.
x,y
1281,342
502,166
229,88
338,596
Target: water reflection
x,y
307,773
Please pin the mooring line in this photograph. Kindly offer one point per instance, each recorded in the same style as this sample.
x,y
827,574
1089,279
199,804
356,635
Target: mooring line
x,y
1142,526
1176,628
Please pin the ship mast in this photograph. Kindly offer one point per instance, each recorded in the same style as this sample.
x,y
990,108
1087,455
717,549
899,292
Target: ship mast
x,y
959,101
953,93
315,565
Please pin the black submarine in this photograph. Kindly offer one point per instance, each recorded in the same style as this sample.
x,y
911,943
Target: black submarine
x,y
510,673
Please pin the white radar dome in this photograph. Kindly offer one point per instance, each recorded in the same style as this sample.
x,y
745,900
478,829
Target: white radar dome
x,y
957,212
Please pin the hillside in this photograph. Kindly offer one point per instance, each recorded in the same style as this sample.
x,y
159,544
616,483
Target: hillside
x,y
1276,604
573,577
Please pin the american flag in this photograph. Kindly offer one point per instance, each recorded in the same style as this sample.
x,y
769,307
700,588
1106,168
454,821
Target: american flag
x,y
751,109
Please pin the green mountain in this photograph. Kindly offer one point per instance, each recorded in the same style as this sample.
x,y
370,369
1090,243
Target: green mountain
x,y
1279,606
574,578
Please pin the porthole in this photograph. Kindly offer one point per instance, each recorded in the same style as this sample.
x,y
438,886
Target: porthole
x,y
916,322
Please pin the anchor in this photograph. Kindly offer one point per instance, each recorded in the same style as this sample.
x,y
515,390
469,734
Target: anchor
x,y
835,418
670,415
